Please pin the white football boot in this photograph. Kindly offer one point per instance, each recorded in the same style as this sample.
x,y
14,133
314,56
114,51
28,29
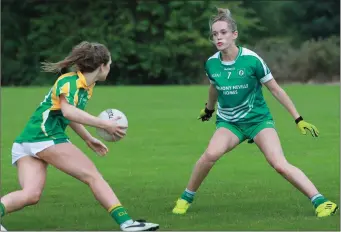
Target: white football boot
x,y
139,225
3,228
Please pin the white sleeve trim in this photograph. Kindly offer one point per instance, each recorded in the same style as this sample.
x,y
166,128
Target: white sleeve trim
x,y
266,78
211,81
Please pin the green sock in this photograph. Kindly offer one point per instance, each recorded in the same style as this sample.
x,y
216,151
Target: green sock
x,y
119,214
2,209
317,200
188,196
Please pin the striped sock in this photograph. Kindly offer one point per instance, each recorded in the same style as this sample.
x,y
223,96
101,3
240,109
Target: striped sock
x,y
317,200
188,195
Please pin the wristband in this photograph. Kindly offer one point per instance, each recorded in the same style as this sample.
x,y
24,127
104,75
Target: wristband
x,y
297,120
207,110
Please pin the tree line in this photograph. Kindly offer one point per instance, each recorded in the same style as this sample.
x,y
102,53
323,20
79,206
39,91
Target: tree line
x,y
167,42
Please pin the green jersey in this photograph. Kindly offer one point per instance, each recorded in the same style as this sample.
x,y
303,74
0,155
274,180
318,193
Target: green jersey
x,y
239,86
48,122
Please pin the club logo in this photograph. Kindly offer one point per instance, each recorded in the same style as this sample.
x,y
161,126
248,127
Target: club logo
x,y
241,72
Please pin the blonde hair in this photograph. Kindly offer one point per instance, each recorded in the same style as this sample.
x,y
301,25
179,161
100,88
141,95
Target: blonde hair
x,y
86,56
224,15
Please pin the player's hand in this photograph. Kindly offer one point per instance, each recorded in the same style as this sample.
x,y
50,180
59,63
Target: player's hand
x,y
303,126
97,146
114,129
205,114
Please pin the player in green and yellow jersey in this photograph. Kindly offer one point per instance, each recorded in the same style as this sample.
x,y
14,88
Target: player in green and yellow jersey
x,y
43,140
236,77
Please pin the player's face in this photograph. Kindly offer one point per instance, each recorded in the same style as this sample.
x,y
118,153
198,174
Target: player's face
x,y
105,69
222,35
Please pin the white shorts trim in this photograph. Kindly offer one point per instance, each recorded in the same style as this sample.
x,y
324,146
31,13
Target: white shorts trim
x,y
20,150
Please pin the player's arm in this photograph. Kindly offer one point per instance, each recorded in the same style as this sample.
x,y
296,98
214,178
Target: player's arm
x,y
66,92
96,145
207,112
285,100
265,77
212,91
80,130
74,114
212,97
282,97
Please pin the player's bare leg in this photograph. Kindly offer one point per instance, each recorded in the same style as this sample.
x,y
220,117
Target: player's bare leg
x,y
71,160
268,142
221,142
32,176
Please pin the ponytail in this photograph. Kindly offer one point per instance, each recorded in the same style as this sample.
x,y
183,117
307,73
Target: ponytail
x,y
57,67
86,57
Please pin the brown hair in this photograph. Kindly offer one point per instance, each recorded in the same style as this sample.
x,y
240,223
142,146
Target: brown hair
x,y
224,15
86,56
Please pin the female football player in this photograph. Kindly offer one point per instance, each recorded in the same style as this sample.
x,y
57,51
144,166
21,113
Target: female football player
x,y
236,76
43,140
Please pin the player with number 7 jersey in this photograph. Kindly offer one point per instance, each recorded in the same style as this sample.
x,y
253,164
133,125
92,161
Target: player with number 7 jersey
x,y
239,86
236,75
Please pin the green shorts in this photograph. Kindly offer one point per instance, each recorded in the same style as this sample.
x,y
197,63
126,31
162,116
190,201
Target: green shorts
x,y
246,130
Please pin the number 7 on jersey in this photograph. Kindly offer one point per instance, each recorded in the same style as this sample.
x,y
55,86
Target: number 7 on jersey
x,y
228,75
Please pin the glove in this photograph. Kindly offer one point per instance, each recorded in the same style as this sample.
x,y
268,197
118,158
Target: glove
x,y
303,126
205,114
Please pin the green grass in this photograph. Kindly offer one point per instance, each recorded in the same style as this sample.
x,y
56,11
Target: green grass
x,y
150,168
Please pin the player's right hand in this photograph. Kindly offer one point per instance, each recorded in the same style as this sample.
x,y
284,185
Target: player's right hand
x,y
205,114
113,128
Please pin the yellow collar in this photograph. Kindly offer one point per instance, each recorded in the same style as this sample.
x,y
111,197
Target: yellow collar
x,y
82,79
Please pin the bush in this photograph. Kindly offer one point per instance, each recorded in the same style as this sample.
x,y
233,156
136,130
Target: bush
x,y
318,61
313,61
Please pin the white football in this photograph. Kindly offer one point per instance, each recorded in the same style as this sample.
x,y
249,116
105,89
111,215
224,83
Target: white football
x,y
110,114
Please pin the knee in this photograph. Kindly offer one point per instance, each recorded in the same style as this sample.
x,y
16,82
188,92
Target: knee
x,y
211,156
32,196
281,167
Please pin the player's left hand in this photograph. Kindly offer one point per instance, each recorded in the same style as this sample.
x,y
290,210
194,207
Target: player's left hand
x,y
97,146
303,126
205,114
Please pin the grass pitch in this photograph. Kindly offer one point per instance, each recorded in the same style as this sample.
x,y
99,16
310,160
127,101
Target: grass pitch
x,y
150,168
